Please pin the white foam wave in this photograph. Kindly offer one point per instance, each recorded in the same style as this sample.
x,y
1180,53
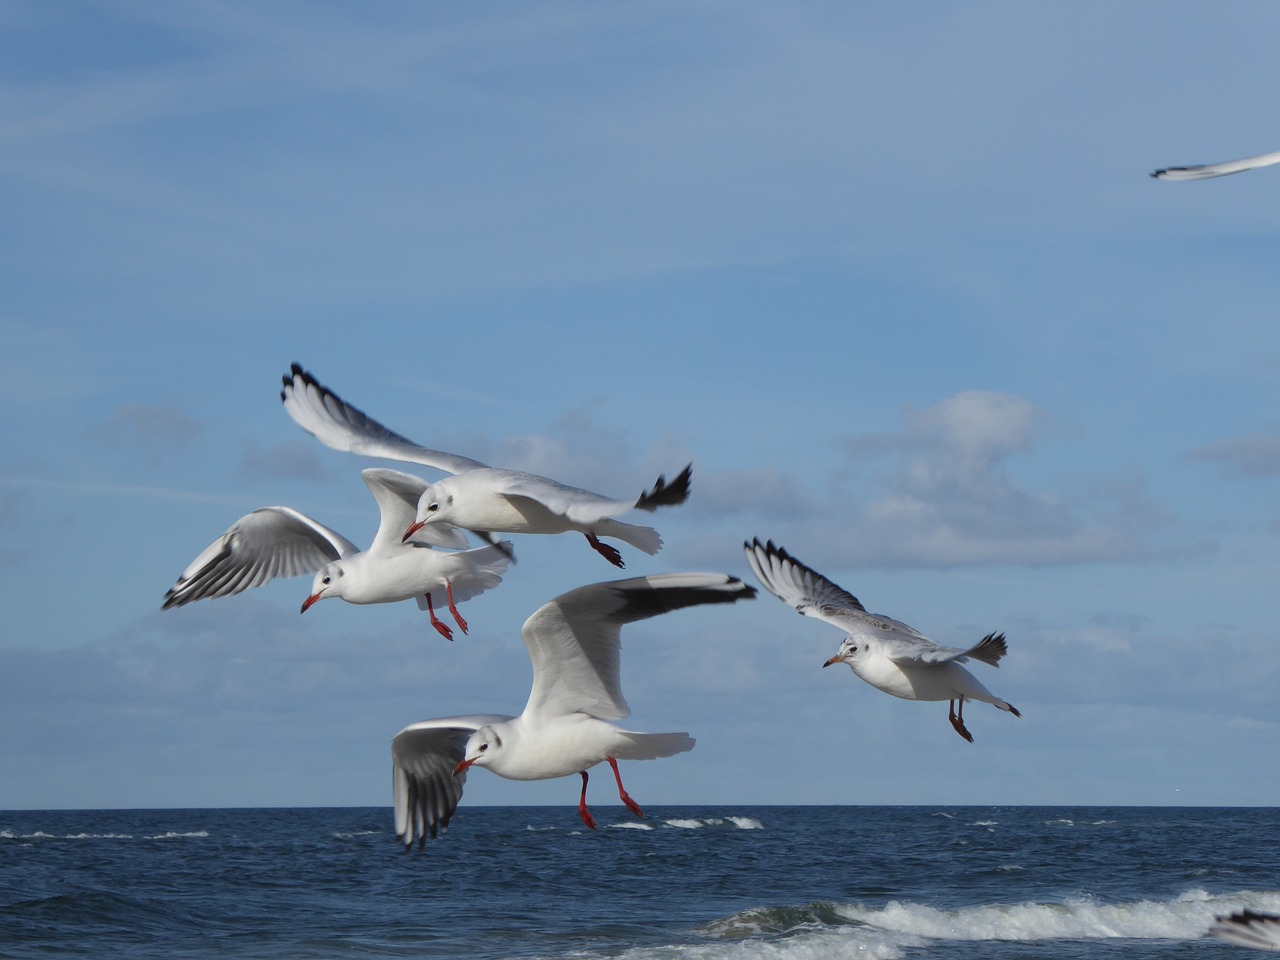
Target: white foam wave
x,y
627,825
1185,918
691,823
41,835
179,835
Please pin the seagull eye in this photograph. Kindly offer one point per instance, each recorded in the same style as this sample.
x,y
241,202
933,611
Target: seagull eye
x,y
327,580
433,508
484,747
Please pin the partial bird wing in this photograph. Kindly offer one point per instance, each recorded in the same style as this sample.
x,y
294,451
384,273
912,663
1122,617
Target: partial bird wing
x,y
583,506
575,643
423,758
270,542
397,495
337,424
923,650
1204,171
812,594
1249,929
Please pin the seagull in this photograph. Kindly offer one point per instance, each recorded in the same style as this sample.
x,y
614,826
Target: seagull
x,y
282,542
575,645
1206,170
886,653
1249,929
478,497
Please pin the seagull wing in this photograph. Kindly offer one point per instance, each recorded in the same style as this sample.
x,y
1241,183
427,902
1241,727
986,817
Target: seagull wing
x,y
397,495
583,506
1249,929
423,758
337,424
575,644
270,542
580,506
1204,171
802,587
990,649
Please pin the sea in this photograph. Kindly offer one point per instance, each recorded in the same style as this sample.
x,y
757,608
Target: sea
x,y
684,883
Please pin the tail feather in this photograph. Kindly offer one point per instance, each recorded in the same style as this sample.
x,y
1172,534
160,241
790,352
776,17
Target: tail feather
x,y
652,746
642,538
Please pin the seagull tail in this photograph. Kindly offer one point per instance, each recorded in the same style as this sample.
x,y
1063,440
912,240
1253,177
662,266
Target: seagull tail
x,y
642,538
651,746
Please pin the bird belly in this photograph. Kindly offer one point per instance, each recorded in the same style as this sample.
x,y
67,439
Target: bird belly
x,y
564,747
919,681
400,575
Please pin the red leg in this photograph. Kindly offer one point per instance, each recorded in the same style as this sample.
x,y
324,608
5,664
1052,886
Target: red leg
x,y
606,551
622,793
583,812
462,624
436,622
957,720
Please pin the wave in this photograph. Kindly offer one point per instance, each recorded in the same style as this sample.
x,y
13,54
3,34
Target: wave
x,y
826,929
41,835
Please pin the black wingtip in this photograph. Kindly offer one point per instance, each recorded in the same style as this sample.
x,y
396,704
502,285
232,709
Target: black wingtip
x,y
666,494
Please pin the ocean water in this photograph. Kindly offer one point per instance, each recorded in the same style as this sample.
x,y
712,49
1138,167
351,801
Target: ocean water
x,y
686,883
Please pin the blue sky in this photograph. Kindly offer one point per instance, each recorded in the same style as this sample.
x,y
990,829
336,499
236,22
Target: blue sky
x,y
893,277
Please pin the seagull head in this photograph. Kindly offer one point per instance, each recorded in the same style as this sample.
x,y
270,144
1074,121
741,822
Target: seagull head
x,y
435,504
481,748
847,653
328,583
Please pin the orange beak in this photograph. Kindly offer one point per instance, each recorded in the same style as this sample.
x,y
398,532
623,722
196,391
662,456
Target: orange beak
x,y
462,767
310,600
413,528
836,659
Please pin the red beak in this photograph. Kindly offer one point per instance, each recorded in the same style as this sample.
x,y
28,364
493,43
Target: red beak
x,y
461,768
310,600
413,528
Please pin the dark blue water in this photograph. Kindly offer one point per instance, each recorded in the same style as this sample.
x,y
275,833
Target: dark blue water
x,y
692,882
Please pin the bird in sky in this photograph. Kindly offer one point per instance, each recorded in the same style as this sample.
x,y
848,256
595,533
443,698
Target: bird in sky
x,y
1205,171
886,653
282,542
480,498
574,643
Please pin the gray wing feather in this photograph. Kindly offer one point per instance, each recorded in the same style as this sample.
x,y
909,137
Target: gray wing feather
x,y
423,758
269,542
337,424
574,641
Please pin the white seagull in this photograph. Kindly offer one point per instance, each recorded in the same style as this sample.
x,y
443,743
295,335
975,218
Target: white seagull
x,y
886,653
1249,929
1204,171
282,542
575,645
478,497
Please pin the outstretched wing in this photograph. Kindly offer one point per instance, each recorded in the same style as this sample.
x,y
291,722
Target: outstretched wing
x,y
337,424
270,542
575,643
989,649
1249,929
802,587
423,758
813,595
1204,171
397,495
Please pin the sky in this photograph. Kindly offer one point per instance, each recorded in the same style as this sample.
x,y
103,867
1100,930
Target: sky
x,y
892,277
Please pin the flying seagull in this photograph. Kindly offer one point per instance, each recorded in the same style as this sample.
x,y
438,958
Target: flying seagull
x,y
282,542
1206,170
886,653
478,497
575,645
1249,929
